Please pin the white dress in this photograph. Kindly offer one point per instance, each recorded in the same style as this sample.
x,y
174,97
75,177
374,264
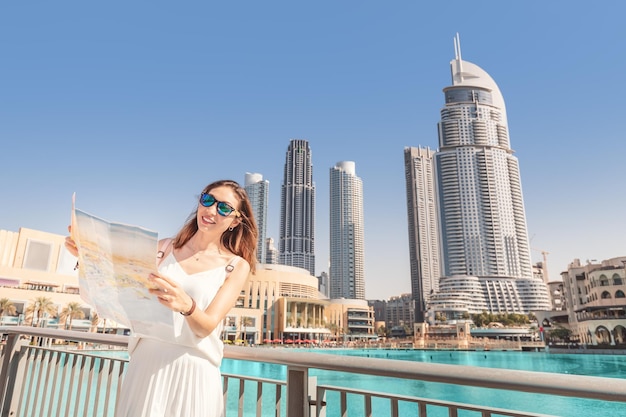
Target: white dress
x,y
178,377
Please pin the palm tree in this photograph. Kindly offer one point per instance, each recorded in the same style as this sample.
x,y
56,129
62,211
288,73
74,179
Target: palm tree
x,y
40,307
334,329
6,308
244,323
72,310
95,319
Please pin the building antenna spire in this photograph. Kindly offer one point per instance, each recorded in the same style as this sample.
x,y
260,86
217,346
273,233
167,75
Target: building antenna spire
x,y
457,56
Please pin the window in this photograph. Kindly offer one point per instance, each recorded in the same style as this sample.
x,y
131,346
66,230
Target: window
x,y
37,255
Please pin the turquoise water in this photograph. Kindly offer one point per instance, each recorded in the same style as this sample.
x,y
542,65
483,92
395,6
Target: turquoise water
x,y
612,366
51,382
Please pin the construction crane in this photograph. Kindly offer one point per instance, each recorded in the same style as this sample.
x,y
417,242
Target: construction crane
x,y
545,264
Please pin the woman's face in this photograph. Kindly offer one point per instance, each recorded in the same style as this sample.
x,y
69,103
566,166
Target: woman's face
x,y
217,210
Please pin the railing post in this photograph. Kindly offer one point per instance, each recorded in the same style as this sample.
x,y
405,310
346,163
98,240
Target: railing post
x,y
297,391
8,375
7,352
317,407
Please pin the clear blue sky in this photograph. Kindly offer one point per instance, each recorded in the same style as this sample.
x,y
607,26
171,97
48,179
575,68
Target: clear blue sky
x,y
136,105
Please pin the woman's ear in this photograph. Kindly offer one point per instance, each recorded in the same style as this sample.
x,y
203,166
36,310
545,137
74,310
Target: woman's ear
x,y
234,223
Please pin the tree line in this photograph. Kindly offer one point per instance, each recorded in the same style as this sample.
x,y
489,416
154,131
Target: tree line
x,y
41,307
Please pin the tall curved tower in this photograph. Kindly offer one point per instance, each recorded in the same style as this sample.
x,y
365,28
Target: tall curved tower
x,y
482,215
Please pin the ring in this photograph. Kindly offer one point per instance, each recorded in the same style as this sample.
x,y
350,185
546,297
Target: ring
x,y
165,290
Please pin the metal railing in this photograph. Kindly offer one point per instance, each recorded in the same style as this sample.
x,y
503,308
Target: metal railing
x,y
38,381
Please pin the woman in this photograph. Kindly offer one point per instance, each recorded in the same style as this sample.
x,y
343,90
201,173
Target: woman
x,y
200,276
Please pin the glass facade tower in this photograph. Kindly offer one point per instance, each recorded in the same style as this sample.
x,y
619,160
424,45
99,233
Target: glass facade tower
x,y
484,237
419,168
346,272
297,212
258,192
482,211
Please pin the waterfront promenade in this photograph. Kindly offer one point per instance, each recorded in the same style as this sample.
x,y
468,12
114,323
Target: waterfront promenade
x,y
31,374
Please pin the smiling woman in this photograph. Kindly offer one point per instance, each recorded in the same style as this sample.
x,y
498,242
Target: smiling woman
x,y
205,266
201,272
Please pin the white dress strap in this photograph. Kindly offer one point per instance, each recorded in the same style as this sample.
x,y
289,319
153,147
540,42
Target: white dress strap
x,y
166,243
231,265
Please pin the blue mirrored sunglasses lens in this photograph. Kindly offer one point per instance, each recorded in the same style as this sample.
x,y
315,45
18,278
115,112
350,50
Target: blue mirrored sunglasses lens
x,y
224,209
207,200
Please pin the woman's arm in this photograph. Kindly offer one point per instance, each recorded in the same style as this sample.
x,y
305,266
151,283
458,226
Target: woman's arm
x,y
202,323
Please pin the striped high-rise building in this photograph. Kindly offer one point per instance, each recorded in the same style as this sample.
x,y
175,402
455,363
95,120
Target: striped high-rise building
x,y
346,272
296,244
485,253
482,210
258,191
419,169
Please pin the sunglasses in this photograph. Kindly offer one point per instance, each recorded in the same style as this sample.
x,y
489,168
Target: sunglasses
x,y
223,209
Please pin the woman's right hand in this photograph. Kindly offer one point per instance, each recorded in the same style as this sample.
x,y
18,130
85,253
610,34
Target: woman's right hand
x,y
70,245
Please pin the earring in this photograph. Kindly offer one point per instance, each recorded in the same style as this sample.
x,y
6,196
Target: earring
x,y
230,229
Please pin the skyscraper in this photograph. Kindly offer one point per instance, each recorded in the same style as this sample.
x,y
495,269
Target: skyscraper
x,y
297,212
271,253
346,272
419,169
484,236
258,192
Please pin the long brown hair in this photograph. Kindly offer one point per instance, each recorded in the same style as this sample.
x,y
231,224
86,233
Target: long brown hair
x,y
242,239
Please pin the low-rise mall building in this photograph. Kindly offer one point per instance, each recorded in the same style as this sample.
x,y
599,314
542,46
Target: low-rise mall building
x,y
279,304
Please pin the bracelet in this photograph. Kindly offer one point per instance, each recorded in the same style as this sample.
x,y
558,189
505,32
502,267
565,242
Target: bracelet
x,y
191,310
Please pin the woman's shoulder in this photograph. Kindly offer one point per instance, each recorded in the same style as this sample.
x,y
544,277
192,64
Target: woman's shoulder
x,y
164,247
165,240
236,261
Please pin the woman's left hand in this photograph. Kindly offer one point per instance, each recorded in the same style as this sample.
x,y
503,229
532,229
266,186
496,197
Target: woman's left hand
x,y
170,294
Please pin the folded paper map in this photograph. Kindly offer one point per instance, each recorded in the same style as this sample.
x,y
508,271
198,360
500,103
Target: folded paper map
x,y
115,261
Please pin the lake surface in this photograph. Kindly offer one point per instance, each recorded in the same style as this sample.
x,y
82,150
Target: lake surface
x,y
611,366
